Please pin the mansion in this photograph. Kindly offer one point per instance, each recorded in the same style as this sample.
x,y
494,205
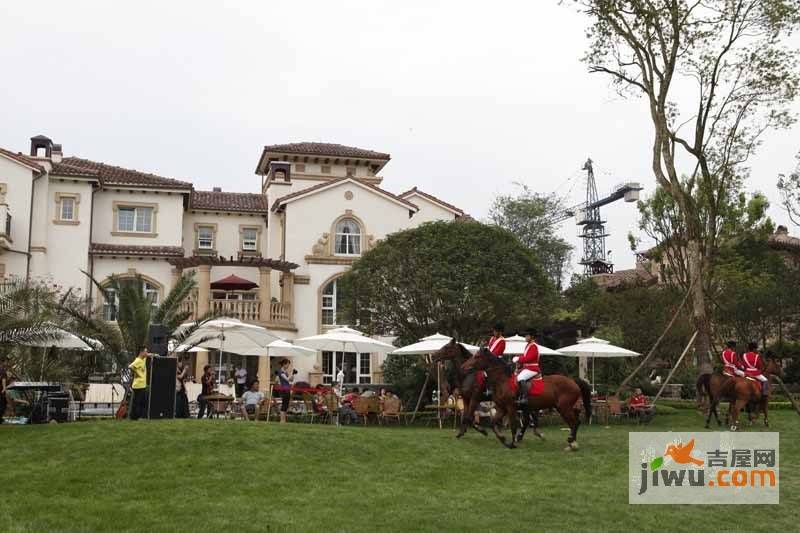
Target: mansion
x,y
269,257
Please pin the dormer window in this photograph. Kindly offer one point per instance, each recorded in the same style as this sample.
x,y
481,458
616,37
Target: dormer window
x,y
348,237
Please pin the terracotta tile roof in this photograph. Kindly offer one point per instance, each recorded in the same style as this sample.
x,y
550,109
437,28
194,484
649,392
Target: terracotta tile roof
x,y
113,175
229,201
629,277
782,241
433,199
131,249
328,149
21,158
283,199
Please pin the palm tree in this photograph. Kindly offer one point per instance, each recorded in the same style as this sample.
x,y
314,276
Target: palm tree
x,y
25,314
135,313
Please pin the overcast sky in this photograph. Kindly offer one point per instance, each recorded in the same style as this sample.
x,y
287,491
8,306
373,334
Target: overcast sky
x,y
468,97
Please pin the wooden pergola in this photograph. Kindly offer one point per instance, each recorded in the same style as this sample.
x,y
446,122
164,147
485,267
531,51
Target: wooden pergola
x,y
182,263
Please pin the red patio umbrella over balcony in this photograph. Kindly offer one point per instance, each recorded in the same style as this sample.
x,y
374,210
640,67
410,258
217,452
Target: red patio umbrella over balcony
x,y
233,283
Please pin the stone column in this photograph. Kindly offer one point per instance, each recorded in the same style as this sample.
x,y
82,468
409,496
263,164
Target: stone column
x,y
176,277
200,360
203,289
263,374
265,293
288,293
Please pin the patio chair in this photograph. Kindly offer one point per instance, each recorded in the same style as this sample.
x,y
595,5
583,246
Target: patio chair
x,y
614,408
310,412
391,409
362,408
331,407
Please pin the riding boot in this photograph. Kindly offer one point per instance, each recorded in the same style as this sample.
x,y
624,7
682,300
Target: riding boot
x,y
522,393
765,388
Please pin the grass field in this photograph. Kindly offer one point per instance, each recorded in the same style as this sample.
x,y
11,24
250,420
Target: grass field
x,y
208,475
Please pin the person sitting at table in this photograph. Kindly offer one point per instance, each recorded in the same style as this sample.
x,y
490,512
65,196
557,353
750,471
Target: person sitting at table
x,y
368,393
251,401
351,396
346,412
637,406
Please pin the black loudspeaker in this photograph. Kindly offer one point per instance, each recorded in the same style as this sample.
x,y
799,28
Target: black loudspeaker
x,y
58,406
161,374
158,339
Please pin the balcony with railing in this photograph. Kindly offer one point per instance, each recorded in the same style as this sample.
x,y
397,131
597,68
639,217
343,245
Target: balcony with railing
x,y
275,315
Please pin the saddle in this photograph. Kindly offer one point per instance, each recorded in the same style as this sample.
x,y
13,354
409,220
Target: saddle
x,y
535,386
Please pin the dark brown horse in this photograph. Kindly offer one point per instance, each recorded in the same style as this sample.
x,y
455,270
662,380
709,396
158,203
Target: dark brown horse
x,y
740,392
467,383
560,392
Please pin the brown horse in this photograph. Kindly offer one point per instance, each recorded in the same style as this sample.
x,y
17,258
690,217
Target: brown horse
x,y
467,383
560,392
740,392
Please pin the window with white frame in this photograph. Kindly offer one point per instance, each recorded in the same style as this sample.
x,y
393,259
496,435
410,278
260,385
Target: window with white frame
x,y
205,238
249,239
348,237
135,219
111,301
66,208
329,304
356,367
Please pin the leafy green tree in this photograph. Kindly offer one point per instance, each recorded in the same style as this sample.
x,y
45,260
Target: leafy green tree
x,y
789,187
715,75
457,278
529,216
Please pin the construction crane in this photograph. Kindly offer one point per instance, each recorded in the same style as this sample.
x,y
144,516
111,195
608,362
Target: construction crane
x,y
595,260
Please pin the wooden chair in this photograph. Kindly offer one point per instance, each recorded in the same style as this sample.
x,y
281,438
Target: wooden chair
x,y
392,408
331,407
310,412
361,407
614,408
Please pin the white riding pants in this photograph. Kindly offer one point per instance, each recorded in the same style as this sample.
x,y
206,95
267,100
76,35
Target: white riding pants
x,y
525,375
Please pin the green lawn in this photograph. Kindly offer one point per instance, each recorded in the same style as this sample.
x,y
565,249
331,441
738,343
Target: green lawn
x,y
208,475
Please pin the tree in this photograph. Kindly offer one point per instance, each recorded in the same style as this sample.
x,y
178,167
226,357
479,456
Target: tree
x,y
529,216
721,67
24,317
789,187
457,278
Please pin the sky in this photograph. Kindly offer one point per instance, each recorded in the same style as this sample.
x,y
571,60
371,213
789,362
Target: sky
x,y
467,97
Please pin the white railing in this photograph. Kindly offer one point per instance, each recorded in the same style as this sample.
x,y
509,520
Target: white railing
x,y
244,310
5,221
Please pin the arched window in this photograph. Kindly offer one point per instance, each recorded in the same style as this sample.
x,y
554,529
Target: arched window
x,y
329,294
111,304
348,237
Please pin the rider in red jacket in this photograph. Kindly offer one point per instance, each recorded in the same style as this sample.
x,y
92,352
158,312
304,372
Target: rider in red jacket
x,y
753,365
529,361
730,360
497,343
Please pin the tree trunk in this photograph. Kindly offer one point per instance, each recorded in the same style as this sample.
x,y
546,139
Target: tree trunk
x,y
702,345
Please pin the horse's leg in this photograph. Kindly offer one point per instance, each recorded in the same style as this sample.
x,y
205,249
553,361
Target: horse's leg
x,y
568,415
497,424
765,408
475,425
736,408
467,416
711,411
525,419
535,423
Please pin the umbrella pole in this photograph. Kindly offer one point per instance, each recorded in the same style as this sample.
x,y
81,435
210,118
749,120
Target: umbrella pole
x,y
594,389
269,399
674,368
439,392
419,400
41,372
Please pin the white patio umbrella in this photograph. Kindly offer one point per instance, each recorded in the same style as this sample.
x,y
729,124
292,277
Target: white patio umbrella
x,y
344,339
596,348
281,348
66,341
228,335
516,346
429,345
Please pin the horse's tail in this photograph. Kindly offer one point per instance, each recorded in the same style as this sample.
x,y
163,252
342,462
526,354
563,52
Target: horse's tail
x,y
586,395
703,386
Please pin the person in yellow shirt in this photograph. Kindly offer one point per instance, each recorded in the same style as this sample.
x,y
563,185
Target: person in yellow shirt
x,y
139,386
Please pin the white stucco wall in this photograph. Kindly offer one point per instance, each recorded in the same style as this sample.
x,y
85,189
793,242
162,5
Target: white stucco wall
x,y
17,179
227,242
67,244
168,224
157,270
428,211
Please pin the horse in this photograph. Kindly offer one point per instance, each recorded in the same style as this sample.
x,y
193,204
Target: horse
x,y
559,391
740,392
471,387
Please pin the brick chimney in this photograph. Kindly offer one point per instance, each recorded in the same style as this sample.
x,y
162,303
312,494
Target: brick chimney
x,y
216,189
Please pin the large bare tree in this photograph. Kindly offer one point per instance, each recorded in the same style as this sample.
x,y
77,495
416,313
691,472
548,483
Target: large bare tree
x,y
715,75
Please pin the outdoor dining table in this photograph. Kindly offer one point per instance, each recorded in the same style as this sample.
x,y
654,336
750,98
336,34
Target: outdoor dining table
x,y
220,403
